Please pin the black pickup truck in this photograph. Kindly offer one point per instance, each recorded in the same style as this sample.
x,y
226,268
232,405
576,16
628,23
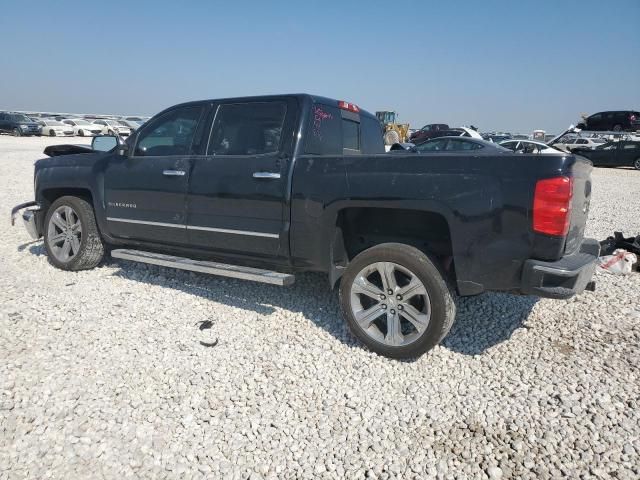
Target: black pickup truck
x,y
262,188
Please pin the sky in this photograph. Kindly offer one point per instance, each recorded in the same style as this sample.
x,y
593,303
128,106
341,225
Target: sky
x,y
499,65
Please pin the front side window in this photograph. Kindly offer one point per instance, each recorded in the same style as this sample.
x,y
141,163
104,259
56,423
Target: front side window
x,y
436,145
247,128
169,135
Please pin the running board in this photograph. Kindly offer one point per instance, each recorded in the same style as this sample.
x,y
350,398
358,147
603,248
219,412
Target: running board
x,y
212,268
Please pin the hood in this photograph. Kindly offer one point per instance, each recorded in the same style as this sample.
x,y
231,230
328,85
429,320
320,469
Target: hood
x,y
58,150
77,160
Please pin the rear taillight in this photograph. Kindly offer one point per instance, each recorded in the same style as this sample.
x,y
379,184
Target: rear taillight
x,y
552,206
632,118
348,106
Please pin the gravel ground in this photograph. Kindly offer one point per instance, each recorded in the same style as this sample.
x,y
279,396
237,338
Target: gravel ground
x,y
103,374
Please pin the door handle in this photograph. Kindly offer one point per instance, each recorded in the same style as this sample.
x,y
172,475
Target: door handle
x,y
270,175
174,173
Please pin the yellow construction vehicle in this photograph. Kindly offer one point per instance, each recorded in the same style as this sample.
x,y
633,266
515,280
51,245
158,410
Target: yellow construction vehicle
x,y
393,132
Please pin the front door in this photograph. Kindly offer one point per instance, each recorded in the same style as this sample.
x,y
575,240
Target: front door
x,y
145,191
237,190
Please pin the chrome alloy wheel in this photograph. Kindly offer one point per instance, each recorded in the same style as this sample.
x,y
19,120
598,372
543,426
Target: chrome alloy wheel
x,y
64,233
390,303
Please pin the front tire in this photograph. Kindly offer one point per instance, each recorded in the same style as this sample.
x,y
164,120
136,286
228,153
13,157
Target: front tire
x,y
17,132
71,235
636,164
396,301
81,133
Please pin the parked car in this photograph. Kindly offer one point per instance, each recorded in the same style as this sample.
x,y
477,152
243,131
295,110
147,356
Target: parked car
x,y
83,128
54,128
529,146
458,144
140,120
18,124
283,184
454,132
427,132
497,138
132,124
112,127
622,153
572,143
616,121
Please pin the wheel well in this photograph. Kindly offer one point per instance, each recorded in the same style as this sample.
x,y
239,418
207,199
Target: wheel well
x,y
363,228
52,194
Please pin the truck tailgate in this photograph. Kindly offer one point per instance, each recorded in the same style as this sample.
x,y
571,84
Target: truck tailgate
x,y
581,171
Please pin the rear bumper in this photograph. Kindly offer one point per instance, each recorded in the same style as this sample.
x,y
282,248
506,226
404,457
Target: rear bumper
x,y
563,278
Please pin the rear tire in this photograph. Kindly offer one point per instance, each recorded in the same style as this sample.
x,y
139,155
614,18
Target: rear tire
x,y
636,164
422,314
617,128
71,235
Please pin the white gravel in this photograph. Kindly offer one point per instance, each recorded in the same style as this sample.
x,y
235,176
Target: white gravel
x,y
103,373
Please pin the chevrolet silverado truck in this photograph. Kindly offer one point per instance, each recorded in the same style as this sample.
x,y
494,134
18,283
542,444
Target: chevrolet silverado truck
x,y
263,188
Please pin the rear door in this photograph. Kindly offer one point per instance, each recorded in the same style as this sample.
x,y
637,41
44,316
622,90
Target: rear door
x,y
594,122
237,190
145,191
628,153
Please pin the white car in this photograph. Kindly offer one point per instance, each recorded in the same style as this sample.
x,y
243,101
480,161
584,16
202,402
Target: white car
x,y
82,128
529,146
54,128
132,124
112,127
582,143
470,132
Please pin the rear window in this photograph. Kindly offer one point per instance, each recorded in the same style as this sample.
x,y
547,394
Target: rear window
x,y
371,135
350,134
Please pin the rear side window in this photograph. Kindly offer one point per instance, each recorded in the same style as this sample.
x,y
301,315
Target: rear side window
x,y
253,128
371,135
435,145
462,145
324,133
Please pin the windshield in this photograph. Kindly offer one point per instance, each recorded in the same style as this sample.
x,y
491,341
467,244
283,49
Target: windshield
x,y
22,119
52,122
80,122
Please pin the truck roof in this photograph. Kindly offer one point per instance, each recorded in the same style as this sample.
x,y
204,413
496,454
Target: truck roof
x,y
300,96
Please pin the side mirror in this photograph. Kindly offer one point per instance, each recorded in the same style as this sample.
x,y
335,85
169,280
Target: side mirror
x,y
104,143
